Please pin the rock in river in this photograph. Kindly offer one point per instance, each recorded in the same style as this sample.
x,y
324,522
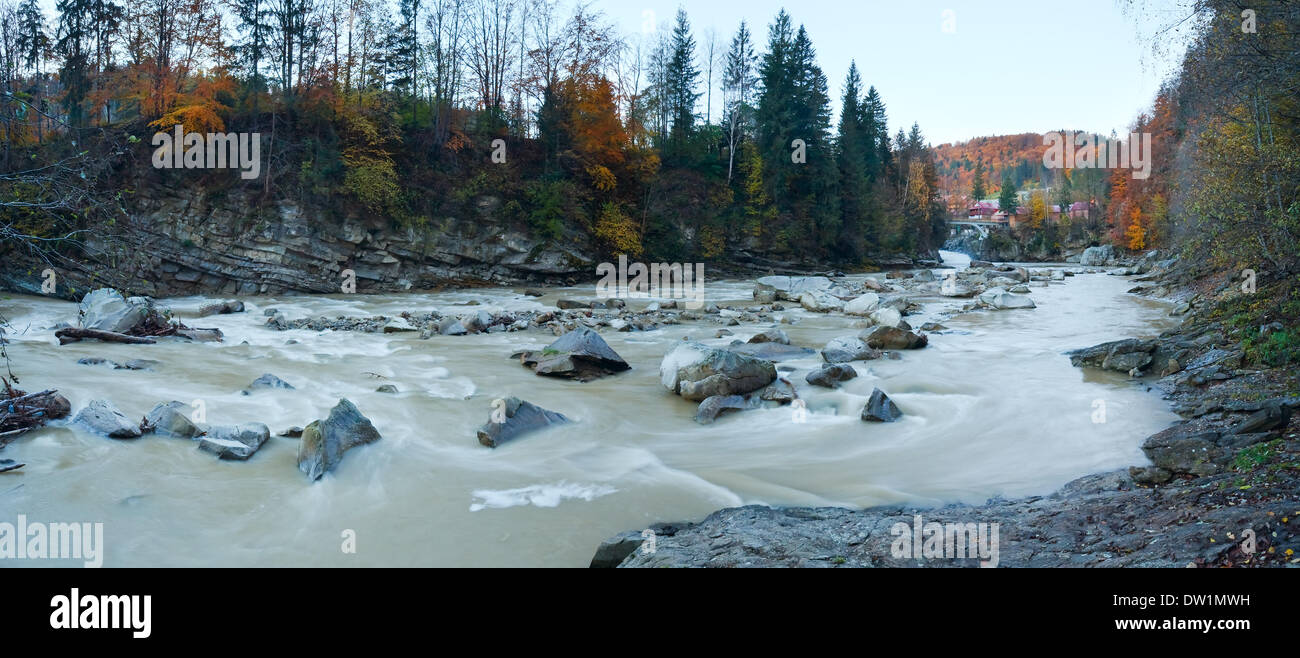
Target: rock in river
x,y
106,310
237,442
696,371
520,418
267,381
170,419
324,442
999,299
830,376
880,408
1123,355
893,338
843,349
102,417
580,354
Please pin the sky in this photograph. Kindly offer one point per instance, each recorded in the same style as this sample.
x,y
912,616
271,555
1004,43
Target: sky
x,y
1008,66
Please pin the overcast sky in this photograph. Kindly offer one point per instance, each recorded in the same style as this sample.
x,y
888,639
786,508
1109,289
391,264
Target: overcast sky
x,y
1010,66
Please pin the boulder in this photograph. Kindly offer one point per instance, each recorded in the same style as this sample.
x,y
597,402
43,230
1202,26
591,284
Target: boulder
x,y
102,417
521,418
106,310
221,308
863,305
843,349
820,302
880,408
1097,256
696,371
1122,355
580,354
399,324
170,419
713,406
999,299
265,382
830,376
780,391
570,304
324,442
451,326
791,287
893,338
770,336
234,442
887,317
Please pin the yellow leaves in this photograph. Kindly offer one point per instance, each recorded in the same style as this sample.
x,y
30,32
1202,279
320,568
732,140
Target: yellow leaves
x,y
1136,233
617,231
200,108
602,178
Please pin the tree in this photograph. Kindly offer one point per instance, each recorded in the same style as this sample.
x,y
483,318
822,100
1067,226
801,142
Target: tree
x,y
852,162
978,187
682,79
1007,198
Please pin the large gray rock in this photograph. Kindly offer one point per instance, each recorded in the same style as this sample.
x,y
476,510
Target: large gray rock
x,y
324,442
830,376
266,382
106,310
1128,355
170,419
999,299
696,371
713,406
1097,256
880,408
235,442
893,338
792,287
580,354
819,301
844,349
863,304
520,418
102,417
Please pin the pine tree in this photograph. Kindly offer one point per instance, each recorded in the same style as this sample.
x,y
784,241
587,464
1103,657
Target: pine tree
x,y
979,189
852,161
1007,198
682,80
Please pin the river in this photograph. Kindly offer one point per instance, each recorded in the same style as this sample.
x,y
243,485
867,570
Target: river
x,y
992,408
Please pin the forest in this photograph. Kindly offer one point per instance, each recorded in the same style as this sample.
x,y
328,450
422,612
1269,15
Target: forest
x,y
365,107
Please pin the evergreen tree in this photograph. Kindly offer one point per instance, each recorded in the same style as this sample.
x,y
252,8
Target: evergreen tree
x,y
852,161
979,189
33,42
76,25
1007,198
682,80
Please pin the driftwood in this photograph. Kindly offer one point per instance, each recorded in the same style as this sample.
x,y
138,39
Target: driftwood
x,y
73,334
22,412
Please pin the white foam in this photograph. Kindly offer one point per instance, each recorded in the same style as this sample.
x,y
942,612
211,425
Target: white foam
x,y
540,495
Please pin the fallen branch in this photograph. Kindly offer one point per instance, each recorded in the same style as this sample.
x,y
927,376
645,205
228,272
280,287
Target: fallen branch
x,y
73,334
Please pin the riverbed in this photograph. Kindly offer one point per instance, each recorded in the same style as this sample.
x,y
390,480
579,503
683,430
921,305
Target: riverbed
x,y
991,408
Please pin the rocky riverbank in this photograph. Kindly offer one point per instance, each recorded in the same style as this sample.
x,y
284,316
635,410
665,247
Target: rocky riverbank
x,y
1222,489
